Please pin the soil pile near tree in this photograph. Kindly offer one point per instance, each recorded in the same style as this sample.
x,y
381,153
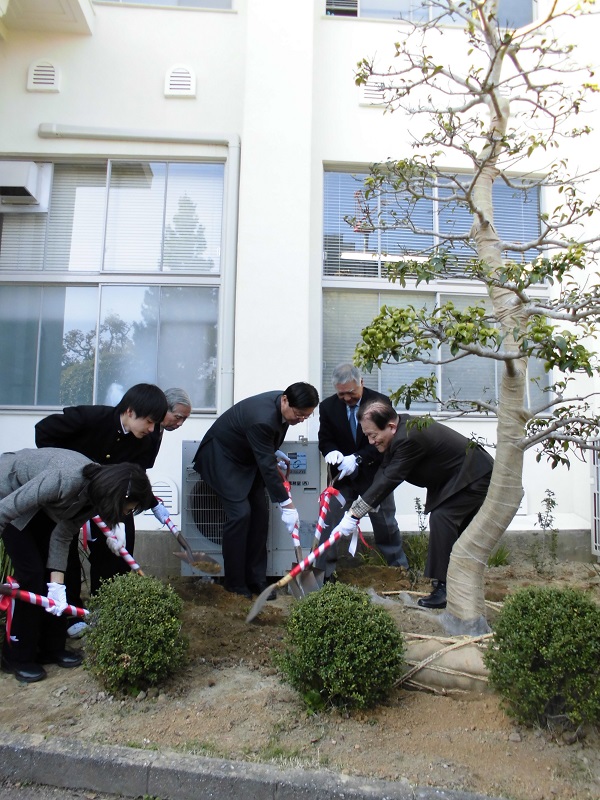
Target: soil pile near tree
x,y
230,702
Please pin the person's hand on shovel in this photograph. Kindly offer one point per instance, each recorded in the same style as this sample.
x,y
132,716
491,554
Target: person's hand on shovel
x,y
289,516
161,513
115,540
58,593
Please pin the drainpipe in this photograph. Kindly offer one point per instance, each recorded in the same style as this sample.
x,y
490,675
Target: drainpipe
x,y
50,130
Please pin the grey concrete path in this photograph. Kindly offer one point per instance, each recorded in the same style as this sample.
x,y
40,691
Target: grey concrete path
x,y
124,772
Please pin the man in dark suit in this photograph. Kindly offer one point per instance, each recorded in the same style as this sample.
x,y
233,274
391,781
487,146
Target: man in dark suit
x,y
107,435
354,461
237,458
455,471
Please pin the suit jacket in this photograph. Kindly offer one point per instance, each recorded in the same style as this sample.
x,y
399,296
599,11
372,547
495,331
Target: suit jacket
x,y
335,434
48,480
96,432
242,443
434,457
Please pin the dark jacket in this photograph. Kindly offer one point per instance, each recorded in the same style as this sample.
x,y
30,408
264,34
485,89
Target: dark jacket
x,y
96,432
434,457
335,434
242,443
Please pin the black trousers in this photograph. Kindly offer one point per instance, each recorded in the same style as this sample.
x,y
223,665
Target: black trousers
x,y
448,521
245,535
34,632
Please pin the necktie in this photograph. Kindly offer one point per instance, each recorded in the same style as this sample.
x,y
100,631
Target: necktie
x,y
352,418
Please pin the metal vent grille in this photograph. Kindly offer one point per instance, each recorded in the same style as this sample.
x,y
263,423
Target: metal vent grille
x,y
167,492
43,76
180,82
204,508
373,93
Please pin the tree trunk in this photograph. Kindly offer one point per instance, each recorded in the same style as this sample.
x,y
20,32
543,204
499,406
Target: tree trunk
x,y
466,609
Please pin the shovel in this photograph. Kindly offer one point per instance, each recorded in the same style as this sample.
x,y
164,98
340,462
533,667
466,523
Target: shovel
x,y
197,559
305,581
324,501
12,590
303,565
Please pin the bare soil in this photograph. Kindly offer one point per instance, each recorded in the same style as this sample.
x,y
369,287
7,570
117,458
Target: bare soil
x,y
230,702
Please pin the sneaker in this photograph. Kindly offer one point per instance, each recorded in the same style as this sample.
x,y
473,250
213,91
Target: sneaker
x,y
77,630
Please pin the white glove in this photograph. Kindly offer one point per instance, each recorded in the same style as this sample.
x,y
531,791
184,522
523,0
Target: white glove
x,y
58,593
290,518
334,457
161,513
283,461
347,466
348,524
116,540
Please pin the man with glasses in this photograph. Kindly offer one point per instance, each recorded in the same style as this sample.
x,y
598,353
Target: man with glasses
x,y
353,462
238,458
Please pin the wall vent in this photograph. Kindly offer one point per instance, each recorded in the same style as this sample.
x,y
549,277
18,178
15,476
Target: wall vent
x,y
180,81
43,76
167,491
373,92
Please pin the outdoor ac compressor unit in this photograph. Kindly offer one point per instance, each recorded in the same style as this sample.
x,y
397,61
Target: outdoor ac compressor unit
x,y
202,516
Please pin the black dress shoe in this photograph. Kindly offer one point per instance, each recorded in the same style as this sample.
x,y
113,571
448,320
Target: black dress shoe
x,y
63,658
26,673
244,591
437,598
258,588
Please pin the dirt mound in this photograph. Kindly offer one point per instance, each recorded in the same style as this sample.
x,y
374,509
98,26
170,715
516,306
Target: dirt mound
x,y
230,702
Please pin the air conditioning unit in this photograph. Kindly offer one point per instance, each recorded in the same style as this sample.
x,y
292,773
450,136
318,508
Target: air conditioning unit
x,y
202,516
24,186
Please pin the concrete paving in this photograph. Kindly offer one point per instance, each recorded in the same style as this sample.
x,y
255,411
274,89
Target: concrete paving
x,y
125,772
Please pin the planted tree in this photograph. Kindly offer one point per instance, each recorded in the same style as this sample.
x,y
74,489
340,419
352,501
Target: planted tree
x,y
496,115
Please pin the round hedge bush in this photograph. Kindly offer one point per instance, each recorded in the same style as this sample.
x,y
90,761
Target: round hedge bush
x,y
135,638
340,649
545,656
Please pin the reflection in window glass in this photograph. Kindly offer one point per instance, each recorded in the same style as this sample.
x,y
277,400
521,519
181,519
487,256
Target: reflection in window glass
x,y
160,334
67,345
58,357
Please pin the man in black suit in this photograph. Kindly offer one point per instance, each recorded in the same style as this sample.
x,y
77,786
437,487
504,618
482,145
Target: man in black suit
x,y
354,461
107,435
238,459
455,471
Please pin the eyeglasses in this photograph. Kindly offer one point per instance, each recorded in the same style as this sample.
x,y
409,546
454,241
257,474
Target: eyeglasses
x,y
300,415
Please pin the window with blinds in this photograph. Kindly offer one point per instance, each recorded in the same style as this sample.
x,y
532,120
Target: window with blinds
x,y
511,13
361,236
358,251
129,261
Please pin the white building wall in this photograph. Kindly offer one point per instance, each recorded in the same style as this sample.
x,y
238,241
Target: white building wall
x,y
279,75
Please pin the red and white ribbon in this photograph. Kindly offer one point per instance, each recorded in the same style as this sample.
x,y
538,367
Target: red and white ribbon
x,y
123,552
10,592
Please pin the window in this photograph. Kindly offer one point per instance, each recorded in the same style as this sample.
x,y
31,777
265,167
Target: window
x,y
213,4
84,325
356,287
512,13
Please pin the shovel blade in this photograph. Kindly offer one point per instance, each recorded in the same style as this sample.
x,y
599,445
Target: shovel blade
x,y
261,600
305,584
200,561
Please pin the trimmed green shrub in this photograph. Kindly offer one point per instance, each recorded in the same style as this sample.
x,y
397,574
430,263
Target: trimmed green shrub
x,y
135,638
545,656
340,649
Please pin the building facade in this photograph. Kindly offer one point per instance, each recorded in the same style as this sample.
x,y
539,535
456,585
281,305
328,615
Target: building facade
x,y
175,179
